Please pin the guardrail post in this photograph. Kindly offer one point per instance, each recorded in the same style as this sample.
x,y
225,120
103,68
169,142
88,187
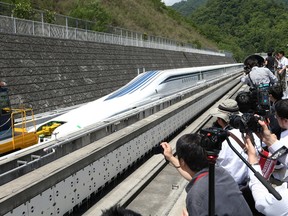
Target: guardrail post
x,y
66,27
33,27
14,25
42,22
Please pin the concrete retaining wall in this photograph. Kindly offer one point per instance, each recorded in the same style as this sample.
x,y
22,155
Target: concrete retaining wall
x,y
47,73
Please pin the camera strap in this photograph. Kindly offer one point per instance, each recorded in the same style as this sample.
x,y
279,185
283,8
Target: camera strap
x,y
280,152
251,81
200,176
240,143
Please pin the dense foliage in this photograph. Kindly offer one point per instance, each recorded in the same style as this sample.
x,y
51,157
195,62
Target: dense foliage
x,y
92,11
244,26
186,8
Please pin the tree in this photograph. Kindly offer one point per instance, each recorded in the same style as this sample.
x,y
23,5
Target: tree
x,y
23,10
93,12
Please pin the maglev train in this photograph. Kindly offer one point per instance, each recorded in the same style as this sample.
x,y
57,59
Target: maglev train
x,y
143,89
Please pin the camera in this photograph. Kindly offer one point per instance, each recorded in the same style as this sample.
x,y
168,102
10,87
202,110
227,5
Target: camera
x,y
246,122
212,139
263,101
158,149
255,101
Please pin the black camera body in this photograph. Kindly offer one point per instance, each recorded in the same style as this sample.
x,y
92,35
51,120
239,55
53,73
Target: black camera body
x,y
158,149
263,101
247,122
255,101
212,139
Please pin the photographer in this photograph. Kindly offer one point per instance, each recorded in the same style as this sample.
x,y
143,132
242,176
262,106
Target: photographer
x,y
275,146
255,73
227,157
265,202
192,159
275,94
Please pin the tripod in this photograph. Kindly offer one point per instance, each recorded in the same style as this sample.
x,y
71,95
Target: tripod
x,y
212,157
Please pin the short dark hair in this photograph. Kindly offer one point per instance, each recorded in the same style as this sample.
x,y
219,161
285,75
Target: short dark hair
x,y
281,108
276,91
189,149
245,102
281,52
252,61
117,210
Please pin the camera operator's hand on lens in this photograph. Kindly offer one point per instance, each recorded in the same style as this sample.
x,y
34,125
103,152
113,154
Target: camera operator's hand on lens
x,y
267,137
251,151
167,150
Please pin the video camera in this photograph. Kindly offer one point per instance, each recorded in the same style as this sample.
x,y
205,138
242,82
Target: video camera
x,y
263,101
255,101
246,122
212,139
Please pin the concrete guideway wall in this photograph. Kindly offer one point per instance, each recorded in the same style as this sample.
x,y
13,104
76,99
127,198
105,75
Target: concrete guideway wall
x,y
49,73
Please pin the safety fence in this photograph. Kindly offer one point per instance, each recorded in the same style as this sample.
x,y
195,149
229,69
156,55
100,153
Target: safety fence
x,y
29,27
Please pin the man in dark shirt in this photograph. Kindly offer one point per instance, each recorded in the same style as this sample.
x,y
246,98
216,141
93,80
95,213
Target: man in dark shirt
x,y
193,160
270,62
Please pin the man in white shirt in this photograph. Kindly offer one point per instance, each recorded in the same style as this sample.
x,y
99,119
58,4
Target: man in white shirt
x,y
281,69
265,202
256,73
227,158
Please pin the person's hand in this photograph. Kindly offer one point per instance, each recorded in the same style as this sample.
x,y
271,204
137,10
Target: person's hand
x,y
184,212
167,150
266,136
251,151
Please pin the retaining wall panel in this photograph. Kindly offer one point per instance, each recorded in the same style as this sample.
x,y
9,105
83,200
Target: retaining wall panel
x,y
49,73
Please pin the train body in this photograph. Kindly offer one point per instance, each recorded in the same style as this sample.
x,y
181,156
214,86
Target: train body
x,y
143,89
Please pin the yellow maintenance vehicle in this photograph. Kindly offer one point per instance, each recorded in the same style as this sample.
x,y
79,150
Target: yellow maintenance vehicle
x,y
13,125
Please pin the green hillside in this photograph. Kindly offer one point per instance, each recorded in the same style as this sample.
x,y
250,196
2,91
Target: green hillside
x,y
186,8
242,26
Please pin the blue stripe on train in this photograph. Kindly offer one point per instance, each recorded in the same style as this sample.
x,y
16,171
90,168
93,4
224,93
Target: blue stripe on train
x,y
134,85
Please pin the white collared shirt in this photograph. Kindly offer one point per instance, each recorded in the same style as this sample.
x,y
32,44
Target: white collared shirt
x,y
265,202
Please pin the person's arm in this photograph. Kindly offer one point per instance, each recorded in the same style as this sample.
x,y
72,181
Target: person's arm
x,y
174,161
284,67
266,136
273,143
272,77
259,192
279,145
244,79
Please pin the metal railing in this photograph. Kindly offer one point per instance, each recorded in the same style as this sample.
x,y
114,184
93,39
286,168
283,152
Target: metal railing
x,y
28,27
